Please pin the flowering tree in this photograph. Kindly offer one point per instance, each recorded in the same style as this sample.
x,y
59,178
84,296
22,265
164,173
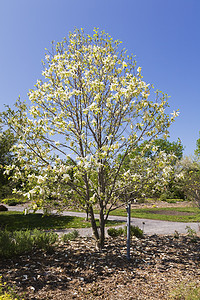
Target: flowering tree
x,y
92,105
188,178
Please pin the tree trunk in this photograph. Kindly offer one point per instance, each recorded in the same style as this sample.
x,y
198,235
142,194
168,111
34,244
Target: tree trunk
x,y
87,213
93,223
101,192
197,198
102,230
99,235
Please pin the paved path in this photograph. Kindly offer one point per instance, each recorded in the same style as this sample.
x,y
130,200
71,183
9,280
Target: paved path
x,y
149,227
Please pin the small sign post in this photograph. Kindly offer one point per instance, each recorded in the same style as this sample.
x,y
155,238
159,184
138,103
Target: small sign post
x,y
128,208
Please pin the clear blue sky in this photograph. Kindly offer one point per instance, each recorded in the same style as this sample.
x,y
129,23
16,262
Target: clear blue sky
x,y
163,34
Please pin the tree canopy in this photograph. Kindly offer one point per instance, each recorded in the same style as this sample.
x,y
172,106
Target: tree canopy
x,y
91,105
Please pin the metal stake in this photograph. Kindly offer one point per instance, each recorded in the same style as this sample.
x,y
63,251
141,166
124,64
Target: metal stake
x,y
128,208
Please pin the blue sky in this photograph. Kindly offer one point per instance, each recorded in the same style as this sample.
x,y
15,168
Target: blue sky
x,y
163,34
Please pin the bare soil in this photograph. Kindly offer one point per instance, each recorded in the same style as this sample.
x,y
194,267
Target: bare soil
x,y
78,271
162,204
171,212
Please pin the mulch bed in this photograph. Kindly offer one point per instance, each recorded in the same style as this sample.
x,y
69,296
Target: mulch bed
x,y
78,271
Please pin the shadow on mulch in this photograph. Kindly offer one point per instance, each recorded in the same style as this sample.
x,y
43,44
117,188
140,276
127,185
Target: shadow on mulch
x,y
78,263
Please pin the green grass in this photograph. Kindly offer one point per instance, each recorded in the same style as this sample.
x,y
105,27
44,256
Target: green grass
x,y
186,291
149,213
12,220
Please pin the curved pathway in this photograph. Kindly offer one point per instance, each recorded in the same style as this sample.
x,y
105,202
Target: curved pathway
x,y
149,226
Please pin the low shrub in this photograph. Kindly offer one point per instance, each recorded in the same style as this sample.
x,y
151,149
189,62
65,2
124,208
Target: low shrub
x,y
7,293
21,242
192,234
176,234
44,240
6,296
134,231
70,236
115,232
3,208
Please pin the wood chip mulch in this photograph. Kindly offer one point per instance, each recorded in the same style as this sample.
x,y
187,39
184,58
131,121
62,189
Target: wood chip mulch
x,y
78,271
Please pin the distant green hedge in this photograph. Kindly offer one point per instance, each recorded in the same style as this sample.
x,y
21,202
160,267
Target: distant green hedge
x,y
13,201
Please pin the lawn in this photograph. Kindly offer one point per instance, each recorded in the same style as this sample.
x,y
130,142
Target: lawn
x,y
174,214
12,220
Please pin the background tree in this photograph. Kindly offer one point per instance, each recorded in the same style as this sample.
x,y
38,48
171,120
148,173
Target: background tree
x,y
170,152
197,151
175,148
92,104
7,140
171,189
147,149
149,175
188,178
